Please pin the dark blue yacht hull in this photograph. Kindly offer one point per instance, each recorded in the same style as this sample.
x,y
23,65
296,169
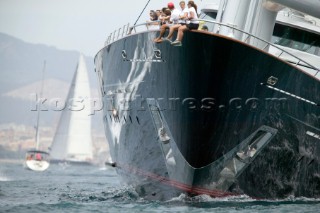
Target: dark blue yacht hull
x,y
180,119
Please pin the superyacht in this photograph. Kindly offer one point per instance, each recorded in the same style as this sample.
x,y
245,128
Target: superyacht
x,y
234,110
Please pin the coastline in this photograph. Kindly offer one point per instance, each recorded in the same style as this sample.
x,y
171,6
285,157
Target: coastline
x,y
12,161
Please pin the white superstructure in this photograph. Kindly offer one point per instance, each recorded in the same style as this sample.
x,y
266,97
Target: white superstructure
x,y
289,30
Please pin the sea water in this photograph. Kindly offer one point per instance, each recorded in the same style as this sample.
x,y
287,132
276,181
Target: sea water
x,y
65,188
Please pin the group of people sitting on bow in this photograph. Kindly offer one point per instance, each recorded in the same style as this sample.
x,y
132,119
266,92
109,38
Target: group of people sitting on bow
x,y
175,19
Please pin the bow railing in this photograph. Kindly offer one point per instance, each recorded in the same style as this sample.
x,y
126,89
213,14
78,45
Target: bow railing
x,y
242,35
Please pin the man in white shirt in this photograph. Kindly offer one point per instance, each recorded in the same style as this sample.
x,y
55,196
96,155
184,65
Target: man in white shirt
x,y
175,13
183,16
173,20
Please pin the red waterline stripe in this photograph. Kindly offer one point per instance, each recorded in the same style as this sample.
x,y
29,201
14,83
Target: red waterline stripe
x,y
176,184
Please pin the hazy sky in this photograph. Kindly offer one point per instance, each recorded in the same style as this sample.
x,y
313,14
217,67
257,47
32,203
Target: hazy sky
x,y
81,25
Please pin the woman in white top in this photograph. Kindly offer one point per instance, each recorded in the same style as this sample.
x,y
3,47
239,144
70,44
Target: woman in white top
x,y
192,23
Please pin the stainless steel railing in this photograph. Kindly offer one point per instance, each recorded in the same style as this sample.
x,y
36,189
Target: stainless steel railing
x,y
245,37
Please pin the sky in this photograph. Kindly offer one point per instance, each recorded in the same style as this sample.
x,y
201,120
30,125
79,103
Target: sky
x,y
81,25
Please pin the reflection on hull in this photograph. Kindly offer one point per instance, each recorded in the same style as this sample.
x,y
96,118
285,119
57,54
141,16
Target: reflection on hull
x,y
203,118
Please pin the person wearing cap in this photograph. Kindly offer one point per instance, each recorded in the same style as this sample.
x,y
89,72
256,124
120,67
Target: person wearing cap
x,y
175,13
170,5
182,20
173,20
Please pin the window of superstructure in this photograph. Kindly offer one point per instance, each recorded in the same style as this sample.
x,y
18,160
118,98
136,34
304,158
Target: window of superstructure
x,y
209,15
296,38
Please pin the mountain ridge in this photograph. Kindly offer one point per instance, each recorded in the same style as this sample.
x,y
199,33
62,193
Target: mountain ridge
x,y
21,63
21,66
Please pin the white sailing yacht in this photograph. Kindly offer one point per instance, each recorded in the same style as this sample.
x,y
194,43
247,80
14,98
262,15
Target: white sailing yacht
x,y
72,142
36,159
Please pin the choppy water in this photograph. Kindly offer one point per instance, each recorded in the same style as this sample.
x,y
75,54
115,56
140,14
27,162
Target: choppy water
x,y
93,189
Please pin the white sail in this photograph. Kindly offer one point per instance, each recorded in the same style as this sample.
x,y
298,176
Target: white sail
x,y
73,141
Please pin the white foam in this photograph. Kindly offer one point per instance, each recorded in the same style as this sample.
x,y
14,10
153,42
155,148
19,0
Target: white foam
x,y
207,198
4,178
102,168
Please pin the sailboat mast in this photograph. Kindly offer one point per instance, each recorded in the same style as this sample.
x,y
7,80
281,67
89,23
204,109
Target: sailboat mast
x,y
38,116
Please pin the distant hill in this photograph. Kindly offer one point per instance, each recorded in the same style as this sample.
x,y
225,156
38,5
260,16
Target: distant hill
x,y
21,66
53,88
21,63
